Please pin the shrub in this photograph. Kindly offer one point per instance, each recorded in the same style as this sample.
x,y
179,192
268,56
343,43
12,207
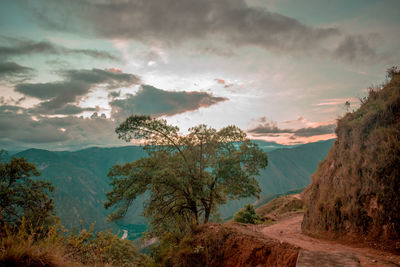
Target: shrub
x,y
247,215
27,245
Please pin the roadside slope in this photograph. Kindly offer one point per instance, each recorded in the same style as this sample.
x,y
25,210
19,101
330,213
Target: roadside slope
x,y
355,191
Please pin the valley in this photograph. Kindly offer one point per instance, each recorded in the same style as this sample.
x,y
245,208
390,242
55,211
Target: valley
x,y
80,180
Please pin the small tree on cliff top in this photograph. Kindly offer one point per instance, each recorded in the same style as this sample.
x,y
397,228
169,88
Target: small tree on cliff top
x,y
187,176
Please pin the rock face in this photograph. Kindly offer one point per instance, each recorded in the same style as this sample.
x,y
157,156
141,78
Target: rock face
x,y
356,189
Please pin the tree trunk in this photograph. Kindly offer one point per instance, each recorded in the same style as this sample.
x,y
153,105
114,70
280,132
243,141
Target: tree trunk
x,y
207,209
207,214
194,210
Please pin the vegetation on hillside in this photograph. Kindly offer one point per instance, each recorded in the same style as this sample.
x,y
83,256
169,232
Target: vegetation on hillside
x,y
280,206
247,215
356,188
22,196
26,245
186,176
80,180
30,234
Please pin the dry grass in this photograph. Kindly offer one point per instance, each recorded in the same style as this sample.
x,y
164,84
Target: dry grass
x,y
356,188
279,207
55,246
25,247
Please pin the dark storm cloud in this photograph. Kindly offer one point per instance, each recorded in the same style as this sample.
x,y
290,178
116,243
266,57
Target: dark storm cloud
x,y
20,129
11,71
156,102
19,47
271,129
76,83
173,22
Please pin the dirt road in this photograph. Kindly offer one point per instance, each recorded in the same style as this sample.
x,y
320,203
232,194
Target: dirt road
x,y
289,230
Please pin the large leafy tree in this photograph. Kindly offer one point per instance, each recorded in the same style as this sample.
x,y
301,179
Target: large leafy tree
x,y
186,176
22,196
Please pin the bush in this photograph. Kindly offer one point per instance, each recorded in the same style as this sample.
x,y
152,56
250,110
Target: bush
x,y
247,215
26,245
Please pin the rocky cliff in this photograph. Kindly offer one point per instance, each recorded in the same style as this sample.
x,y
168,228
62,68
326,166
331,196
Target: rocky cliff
x,y
356,189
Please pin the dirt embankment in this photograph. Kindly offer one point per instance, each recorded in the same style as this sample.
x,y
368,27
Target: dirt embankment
x,y
279,244
235,245
355,191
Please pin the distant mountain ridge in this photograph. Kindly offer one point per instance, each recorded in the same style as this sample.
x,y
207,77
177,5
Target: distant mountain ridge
x,y
80,179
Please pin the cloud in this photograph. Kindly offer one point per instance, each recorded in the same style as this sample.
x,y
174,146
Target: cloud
x,y
19,47
172,22
220,81
355,48
77,83
157,102
15,126
312,131
13,72
298,120
114,94
67,109
19,129
224,82
268,128
271,129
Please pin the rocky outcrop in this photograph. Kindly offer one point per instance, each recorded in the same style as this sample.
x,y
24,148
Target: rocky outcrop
x,y
356,189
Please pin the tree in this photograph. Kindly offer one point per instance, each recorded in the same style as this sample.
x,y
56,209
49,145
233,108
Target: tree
x,y
347,104
186,176
247,215
20,195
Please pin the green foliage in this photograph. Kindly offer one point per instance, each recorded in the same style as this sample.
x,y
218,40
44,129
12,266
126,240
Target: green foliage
x,y
92,248
247,215
187,176
20,195
27,245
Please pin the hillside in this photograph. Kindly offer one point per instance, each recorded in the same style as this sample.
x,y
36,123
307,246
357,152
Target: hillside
x,y
80,179
288,168
81,182
355,190
280,207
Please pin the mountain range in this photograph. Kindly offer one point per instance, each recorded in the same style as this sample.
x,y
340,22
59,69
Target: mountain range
x,y
80,179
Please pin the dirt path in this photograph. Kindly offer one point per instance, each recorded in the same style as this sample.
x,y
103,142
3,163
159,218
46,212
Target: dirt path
x,y
289,230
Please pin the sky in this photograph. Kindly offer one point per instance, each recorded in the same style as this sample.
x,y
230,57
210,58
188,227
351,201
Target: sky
x,y
72,70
